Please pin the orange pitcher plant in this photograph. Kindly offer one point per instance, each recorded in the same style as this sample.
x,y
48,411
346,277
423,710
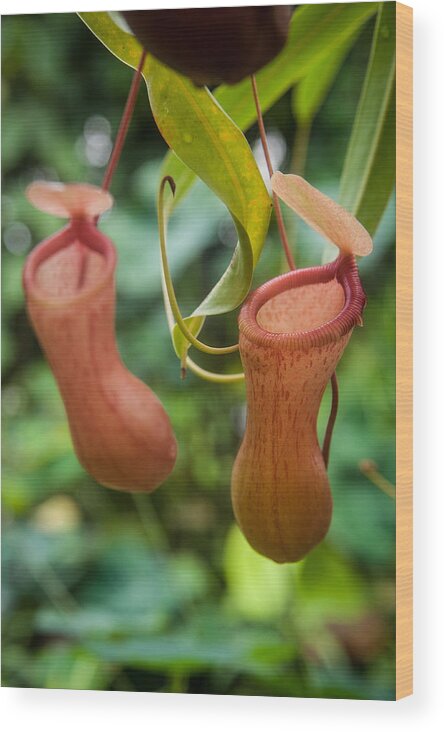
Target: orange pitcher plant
x,y
293,332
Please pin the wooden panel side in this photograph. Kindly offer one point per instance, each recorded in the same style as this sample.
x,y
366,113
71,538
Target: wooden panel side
x,y
404,370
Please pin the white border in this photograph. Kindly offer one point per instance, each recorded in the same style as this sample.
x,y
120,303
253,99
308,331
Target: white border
x,y
29,709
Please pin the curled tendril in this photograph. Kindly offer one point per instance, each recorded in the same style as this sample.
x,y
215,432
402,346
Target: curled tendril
x,y
169,287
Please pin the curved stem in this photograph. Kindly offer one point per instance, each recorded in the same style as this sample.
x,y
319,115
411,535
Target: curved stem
x,y
331,419
181,324
277,206
212,375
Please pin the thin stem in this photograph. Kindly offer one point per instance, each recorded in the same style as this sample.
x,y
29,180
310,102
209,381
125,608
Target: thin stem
x,y
191,338
124,124
277,207
212,375
370,470
331,419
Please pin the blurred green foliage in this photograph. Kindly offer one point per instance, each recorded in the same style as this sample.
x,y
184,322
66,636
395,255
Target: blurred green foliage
x,y
104,590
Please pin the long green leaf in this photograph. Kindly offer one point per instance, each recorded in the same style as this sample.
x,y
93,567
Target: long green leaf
x,y
309,95
206,142
369,168
123,45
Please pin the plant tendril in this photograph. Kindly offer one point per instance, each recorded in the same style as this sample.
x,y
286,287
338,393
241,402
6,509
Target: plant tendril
x,y
181,324
214,376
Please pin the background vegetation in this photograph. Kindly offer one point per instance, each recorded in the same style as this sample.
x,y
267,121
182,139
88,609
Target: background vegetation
x,y
103,590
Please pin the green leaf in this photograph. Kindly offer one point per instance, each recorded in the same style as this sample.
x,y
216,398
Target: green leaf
x,y
311,91
208,143
121,44
191,650
329,587
152,590
63,666
257,588
180,343
369,169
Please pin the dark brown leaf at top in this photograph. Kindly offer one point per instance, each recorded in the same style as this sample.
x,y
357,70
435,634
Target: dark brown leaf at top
x,y
212,45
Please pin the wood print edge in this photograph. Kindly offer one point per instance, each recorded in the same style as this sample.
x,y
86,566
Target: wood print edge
x,y
404,357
